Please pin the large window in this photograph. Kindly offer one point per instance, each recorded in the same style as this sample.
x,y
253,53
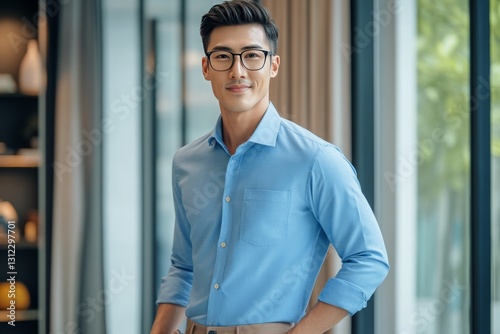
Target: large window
x,y
443,167
185,106
423,77
184,109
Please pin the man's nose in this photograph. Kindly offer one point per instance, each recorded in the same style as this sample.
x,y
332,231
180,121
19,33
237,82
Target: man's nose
x,y
237,70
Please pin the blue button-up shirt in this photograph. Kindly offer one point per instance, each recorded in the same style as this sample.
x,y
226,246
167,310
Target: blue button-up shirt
x,y
252,229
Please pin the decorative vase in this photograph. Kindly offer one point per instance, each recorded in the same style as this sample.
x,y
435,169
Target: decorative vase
x,y
31,70
31,227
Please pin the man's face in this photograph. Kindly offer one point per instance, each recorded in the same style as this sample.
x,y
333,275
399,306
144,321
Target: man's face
x,y
238,89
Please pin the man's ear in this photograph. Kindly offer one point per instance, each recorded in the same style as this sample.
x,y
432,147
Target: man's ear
x,y
275,65
205,69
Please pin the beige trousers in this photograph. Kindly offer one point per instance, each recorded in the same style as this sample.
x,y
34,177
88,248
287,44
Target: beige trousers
x,y
268,328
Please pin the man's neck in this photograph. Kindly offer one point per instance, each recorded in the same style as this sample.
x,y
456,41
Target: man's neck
x,y
238,127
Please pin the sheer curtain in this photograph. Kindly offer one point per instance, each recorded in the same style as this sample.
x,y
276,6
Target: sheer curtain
x,y
77,297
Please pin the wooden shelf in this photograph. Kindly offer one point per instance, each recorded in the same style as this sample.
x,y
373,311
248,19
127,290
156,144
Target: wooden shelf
x,y
21,315
17,96
20,161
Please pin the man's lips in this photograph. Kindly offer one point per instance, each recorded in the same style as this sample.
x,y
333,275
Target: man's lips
x,y
238,88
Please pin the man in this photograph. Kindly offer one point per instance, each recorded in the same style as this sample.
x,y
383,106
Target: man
x,y
258,201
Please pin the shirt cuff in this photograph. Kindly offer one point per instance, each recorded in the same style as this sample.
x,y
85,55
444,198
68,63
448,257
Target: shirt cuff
x,y
343,294
174,291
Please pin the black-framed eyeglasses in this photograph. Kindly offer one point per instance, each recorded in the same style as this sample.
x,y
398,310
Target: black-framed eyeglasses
x,y
252,60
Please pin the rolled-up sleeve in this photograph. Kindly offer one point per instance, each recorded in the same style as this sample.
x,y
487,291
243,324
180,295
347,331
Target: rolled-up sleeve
x,y
176,286
335,197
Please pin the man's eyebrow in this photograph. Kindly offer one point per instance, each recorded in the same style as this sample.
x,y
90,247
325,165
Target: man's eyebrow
x,y
252,46
247,47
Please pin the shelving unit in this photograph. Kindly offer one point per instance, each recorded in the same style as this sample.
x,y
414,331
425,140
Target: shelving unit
x,y
19,164
19,186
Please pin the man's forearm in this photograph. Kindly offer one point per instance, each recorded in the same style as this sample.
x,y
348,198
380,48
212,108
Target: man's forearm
x,y
168,318
319,319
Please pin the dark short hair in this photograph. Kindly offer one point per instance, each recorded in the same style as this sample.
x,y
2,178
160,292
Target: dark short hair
x,y
238,12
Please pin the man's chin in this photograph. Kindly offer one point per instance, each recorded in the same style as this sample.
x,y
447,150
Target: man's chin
x,y
238,108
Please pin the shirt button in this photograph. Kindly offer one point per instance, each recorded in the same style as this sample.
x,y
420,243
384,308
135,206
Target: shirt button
x,y
216,286
228,199
223,244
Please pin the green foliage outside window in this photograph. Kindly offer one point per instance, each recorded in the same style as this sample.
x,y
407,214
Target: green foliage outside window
x,y
444,158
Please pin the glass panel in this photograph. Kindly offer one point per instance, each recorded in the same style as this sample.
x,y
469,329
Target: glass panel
x,y
443,171
122,148
495,161
202,107
168,113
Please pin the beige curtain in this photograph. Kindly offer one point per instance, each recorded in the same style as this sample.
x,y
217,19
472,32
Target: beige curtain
x,y
313,85
77,294
301,92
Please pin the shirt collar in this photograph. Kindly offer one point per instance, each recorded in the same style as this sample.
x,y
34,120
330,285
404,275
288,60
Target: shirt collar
x,y
265,133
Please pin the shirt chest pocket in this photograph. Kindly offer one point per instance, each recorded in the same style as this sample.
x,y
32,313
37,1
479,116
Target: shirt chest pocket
x,y
264,216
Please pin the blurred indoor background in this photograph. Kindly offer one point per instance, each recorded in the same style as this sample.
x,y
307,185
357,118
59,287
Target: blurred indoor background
x,y
96,96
